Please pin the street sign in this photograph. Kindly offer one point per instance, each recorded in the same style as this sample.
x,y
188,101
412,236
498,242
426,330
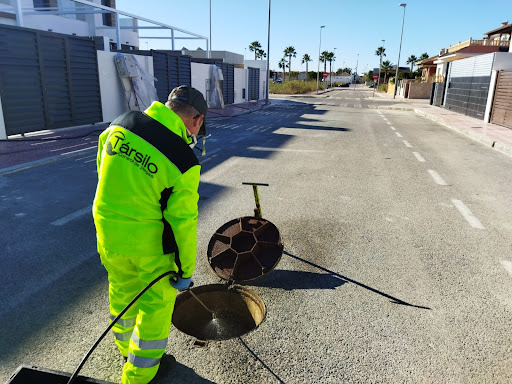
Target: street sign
x,y
325,74
375,76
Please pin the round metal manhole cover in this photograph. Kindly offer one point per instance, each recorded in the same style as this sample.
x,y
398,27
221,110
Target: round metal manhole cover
x,y
238,310
245,249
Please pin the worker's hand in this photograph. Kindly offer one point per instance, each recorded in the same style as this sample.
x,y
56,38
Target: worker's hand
x,y
180,283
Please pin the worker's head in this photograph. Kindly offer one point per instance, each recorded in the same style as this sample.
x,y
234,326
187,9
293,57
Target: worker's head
x,y
189,104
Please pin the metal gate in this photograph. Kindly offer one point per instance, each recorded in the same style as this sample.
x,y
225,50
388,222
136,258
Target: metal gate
x,y
47,80
228,84
502,104
254,84
468,85
171,71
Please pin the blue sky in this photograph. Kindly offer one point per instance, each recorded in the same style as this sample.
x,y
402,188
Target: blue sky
x,y
352,27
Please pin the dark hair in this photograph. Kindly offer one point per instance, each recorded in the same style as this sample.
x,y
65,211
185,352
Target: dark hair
x,y
181,108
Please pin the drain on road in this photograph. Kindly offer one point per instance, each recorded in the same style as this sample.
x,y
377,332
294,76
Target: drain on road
x,y
241,250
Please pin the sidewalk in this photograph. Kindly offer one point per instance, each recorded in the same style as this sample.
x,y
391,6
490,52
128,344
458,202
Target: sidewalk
x,y
492,135
35,148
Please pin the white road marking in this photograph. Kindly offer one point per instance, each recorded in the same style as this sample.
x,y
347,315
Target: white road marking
x,y
73,216
393,128
72,146
407,144
507,265
398,134
438,179
86,157
467,214
388,123
44,142
88,161
419,157
78,150
205,160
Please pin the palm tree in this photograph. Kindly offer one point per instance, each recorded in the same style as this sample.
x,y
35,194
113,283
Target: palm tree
x,y
290,52
330,58
282,64
424,56
325,58
380,52
260,54
412,60
306,59
386,66
255,47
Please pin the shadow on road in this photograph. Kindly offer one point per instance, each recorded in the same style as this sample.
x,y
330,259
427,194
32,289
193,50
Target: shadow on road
x,y
290,280
181,374
394,300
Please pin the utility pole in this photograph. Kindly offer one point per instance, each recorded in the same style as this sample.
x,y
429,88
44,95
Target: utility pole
x,y
318,69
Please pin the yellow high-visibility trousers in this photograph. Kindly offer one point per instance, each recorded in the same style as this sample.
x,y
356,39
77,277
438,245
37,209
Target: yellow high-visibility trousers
x,y
141,334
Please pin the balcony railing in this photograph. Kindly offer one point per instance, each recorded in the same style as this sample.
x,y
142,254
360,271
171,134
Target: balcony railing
x,y
483,42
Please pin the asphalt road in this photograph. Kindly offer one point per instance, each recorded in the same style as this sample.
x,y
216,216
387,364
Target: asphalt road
x,y
397,264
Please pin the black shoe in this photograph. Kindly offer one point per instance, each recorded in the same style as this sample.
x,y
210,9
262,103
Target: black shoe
x,y
167,365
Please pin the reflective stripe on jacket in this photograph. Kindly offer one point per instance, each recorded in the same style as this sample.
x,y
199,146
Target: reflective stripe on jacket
x,y
146,198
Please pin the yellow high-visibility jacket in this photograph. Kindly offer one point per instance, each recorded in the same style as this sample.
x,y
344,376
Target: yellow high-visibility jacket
x,y
148,177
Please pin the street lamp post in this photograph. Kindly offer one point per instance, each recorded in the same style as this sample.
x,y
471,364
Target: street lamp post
x,y
268,54
318,69
355,76
399,50
333,59
210,41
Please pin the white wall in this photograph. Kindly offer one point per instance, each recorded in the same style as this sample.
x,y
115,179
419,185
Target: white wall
x,y
502,61
57,24
263,84
261,64
3,130
240,84
199,73
113,98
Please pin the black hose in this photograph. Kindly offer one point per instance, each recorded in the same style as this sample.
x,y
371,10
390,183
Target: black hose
x,y
88,354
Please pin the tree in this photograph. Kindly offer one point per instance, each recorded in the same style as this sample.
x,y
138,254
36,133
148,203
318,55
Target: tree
x,y
306,59
255,47
290,52
381,51
260,54
344,70
324,56
412,60
282,64
386,66
424,56
330,58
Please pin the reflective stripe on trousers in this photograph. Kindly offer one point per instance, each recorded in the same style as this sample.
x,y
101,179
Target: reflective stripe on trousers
x,y
124,322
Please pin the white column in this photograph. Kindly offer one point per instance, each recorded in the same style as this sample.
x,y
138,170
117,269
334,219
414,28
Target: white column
x,y
3,130
490,96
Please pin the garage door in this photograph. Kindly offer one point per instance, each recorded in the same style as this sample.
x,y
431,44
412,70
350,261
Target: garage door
x,y
502,105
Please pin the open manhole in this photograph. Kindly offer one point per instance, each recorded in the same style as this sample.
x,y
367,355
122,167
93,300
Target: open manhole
x,y
238,310
241,250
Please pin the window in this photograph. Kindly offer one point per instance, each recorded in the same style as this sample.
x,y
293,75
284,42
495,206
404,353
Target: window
x,y
45,4
108,18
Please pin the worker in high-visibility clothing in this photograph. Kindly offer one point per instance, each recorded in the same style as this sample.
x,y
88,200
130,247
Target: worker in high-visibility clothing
x,y
145,213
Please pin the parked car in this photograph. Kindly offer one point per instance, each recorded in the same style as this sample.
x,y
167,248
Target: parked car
x,y
372,85
345,85
279,80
